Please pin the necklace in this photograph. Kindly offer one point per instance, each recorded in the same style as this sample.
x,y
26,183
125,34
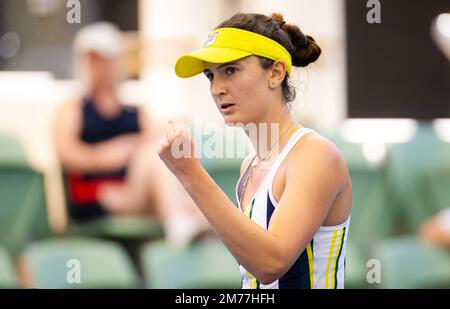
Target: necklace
x,y
252,167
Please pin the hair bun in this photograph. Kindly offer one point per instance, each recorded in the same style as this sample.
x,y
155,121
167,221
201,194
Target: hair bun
x,y
306,50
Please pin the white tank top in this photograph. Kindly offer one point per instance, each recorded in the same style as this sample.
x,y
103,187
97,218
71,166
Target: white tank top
x,y
322,263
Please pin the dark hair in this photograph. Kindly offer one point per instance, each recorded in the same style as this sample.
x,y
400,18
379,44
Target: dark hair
x,y
303,48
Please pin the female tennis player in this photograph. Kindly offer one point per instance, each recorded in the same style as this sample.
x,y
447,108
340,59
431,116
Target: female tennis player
x,y
291,224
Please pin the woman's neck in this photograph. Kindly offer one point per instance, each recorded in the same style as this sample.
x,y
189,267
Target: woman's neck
x,y
271,134
106,102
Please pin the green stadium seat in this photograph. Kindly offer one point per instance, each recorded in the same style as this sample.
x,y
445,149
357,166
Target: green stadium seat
x,y
23,211
12,152
203,264
373,216
103,264
407,167
225,173
7,274
372,219
119,227
434,185
408,263
355,268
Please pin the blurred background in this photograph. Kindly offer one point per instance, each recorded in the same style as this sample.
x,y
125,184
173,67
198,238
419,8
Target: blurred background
x,y
380,92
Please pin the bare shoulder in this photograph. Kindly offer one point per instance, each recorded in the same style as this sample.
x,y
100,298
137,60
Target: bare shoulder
x,y
316,154
315,145
69,113
70,107
67,123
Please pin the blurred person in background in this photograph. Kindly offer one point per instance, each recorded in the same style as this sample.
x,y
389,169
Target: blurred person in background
x,y
107,149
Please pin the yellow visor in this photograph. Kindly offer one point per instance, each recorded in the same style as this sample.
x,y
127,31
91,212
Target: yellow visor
x,y
231,44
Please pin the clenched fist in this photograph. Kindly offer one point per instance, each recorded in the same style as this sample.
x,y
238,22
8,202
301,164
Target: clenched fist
x,y
177,150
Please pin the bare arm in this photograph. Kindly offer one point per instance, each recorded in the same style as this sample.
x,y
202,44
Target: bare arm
x,y
78,156
435,230
267,254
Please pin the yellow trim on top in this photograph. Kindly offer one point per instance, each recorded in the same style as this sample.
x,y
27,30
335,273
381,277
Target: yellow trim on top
x,y
330,257
249,209
252,281
311,264
333,267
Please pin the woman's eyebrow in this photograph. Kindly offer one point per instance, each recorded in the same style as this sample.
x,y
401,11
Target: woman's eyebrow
x,y
221,66
228,63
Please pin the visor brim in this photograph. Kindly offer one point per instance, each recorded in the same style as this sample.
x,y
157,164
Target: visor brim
x,y
193,63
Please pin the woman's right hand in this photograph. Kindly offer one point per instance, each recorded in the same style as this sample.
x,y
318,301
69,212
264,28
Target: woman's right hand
x,y
177,150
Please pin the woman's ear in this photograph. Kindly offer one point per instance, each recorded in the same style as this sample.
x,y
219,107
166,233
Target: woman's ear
x,y
277,74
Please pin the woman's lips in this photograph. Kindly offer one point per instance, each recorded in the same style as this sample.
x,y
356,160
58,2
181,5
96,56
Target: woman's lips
x,y
227,108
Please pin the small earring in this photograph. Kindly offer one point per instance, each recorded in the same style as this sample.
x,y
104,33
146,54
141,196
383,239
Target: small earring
x,y
272,84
